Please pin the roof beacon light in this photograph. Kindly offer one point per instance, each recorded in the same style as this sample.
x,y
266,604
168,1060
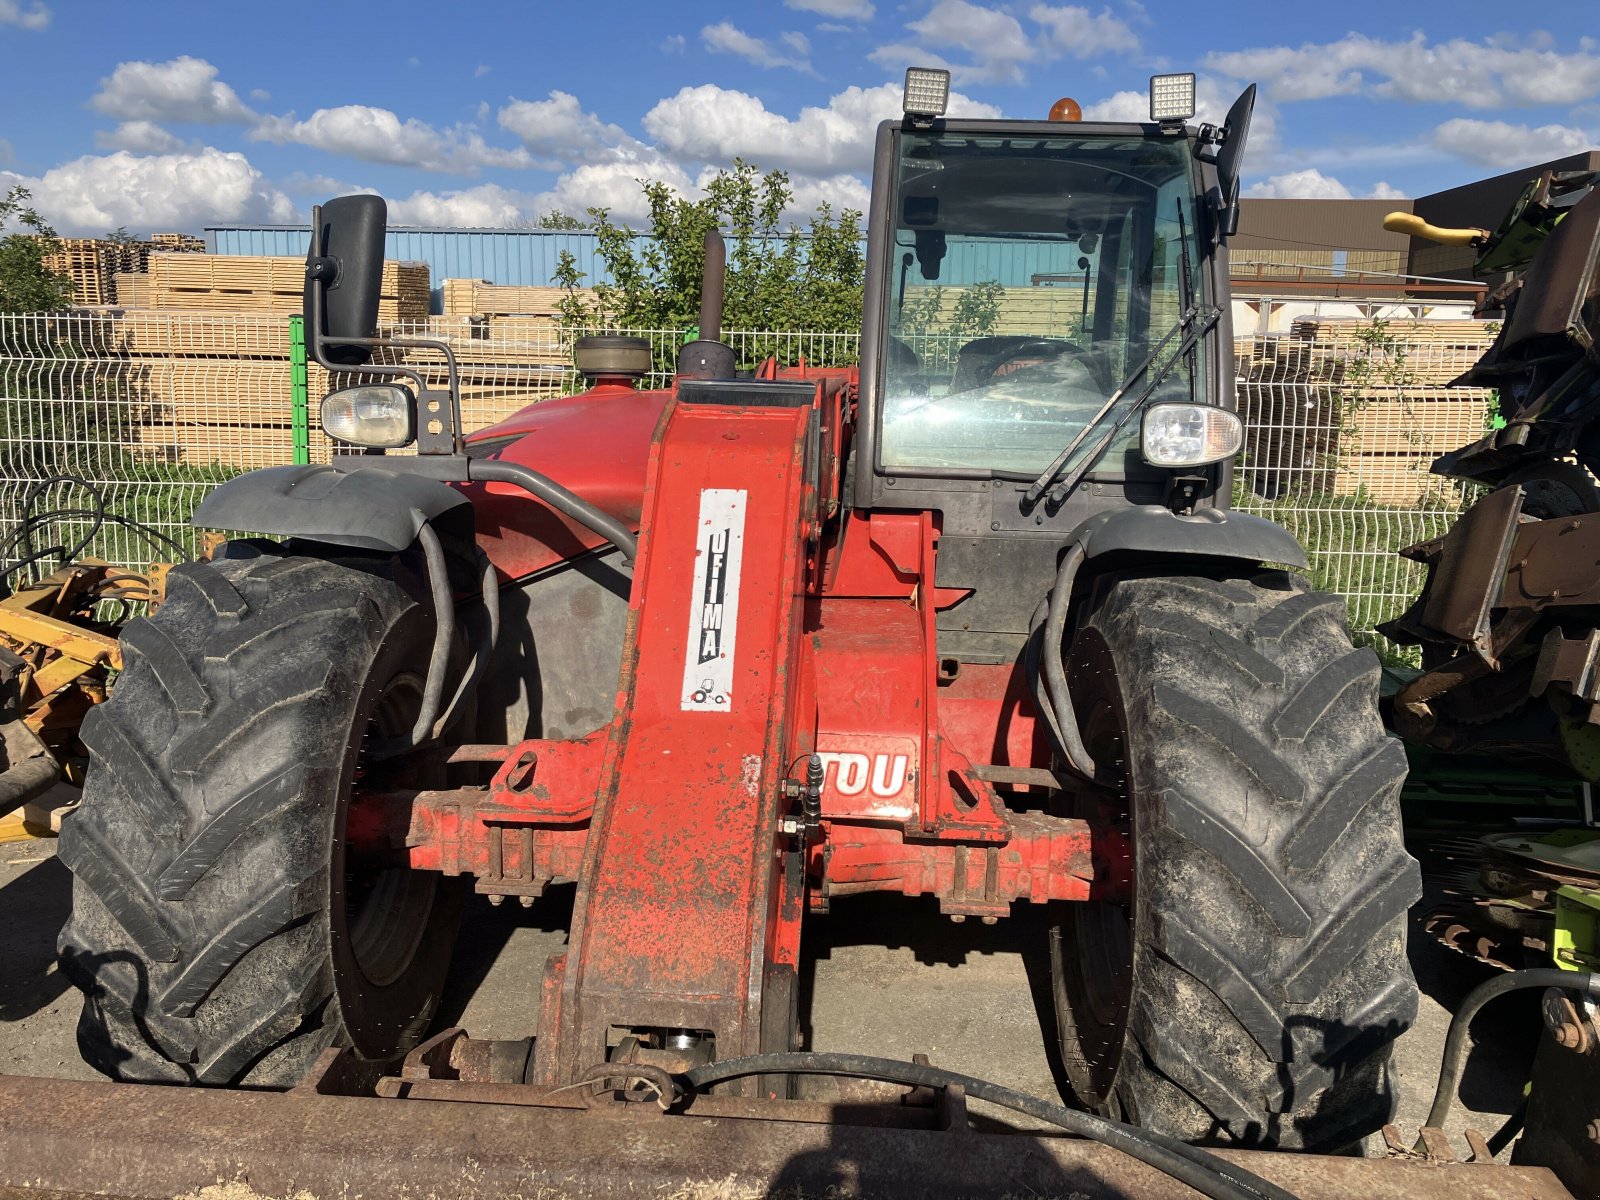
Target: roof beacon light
x,y
1171,97
927,93
1066,109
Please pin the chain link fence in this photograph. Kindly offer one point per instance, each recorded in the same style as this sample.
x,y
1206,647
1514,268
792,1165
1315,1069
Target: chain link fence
x,y
152,409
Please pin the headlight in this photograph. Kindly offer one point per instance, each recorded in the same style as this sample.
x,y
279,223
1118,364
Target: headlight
x,y
1189,435
379,415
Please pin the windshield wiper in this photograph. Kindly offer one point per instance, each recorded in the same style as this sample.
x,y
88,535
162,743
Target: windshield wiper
x,y
1197,324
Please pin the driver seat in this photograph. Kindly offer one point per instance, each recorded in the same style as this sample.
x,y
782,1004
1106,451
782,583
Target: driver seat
x,y
977,360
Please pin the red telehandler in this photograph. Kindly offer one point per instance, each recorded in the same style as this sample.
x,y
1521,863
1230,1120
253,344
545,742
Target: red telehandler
x,y
969,621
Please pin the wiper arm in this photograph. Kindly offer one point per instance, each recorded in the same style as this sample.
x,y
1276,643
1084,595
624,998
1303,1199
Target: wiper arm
x,y
1198,326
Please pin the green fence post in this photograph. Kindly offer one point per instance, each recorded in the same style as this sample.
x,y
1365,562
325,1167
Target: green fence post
x,y
297,384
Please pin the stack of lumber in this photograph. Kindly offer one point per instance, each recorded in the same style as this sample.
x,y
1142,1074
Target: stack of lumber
x,y
251,283
474,297
1344,407
130,289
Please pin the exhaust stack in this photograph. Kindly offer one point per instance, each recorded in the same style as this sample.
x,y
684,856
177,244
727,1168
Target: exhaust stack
x,y
708,357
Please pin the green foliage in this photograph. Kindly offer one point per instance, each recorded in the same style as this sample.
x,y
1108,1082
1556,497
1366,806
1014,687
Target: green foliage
x,y
26,285
556,219
779,278
938,338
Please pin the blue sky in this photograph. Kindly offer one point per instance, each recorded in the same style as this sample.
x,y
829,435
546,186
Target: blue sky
x,y
174,115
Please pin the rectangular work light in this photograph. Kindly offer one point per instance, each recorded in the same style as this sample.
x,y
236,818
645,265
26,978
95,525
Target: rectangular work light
x,y
927,92
1171,97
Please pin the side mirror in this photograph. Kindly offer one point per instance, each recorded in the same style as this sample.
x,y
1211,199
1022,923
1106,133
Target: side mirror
x,y
1235,133
344,276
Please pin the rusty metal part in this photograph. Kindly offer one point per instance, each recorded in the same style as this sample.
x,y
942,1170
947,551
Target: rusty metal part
x,y
1570,1028
153,1143
91,649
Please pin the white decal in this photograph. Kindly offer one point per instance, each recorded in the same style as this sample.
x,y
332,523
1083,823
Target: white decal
x,y
714,606
853,772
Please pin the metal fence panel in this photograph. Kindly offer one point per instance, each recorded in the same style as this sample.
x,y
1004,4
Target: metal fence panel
x,y
155,408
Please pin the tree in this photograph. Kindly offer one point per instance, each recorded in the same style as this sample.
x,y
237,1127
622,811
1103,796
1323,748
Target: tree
x,y
779,278
556,219
26,283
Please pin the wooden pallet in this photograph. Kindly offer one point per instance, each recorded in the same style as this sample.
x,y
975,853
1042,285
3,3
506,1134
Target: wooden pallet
x,y
178,243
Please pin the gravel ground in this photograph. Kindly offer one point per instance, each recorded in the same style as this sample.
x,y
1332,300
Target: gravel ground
x,y
889,977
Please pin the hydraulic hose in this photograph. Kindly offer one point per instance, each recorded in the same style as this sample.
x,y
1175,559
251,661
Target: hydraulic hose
x,y
1055,672
1455,1041
1205,1172
444,615
563,500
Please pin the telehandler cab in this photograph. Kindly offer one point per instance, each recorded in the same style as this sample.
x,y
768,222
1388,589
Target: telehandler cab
x,y
969,621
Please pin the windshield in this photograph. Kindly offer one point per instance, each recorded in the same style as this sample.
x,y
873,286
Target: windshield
x,y
1028,276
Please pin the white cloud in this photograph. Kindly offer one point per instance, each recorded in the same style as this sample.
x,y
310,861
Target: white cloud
x,y
487,206
1082,34
1310,184
89,195
559,128
34,17
481,70
378,135
852,10
796,41
840,191
673,44
996,40
141,137
1384,190
1505,145
614,186
714,124
1497,72
184,89
727,38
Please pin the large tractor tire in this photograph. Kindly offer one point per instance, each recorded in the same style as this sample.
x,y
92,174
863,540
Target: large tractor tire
x,y
222,931
1251,992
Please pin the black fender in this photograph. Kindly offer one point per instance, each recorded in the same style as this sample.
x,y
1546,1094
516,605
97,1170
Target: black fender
x,y
368,508
1208,533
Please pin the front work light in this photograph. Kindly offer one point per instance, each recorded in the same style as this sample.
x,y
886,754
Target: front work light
x,y
927,92
1189,435
1171,97
376,415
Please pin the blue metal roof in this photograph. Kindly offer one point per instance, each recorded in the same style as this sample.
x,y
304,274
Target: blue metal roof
x,y
528,257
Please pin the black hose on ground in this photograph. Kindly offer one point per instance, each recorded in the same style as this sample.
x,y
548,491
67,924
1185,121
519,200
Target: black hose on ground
x,y
1203,1171
1455,1041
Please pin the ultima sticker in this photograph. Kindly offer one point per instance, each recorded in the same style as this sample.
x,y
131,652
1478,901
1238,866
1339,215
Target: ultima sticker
x,y
714,604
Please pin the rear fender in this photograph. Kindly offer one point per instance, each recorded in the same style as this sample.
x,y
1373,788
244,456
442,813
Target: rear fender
x,y
1149,530
369,508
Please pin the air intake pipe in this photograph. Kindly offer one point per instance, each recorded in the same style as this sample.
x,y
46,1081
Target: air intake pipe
x,y
707,357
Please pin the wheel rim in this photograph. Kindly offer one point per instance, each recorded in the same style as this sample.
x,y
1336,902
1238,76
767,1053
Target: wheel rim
x,y
383,908
1093,947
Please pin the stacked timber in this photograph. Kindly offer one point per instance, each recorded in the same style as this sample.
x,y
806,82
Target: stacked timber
x,y
1357,408
254,283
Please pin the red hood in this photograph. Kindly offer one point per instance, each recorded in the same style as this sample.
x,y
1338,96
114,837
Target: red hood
x,y
596,443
